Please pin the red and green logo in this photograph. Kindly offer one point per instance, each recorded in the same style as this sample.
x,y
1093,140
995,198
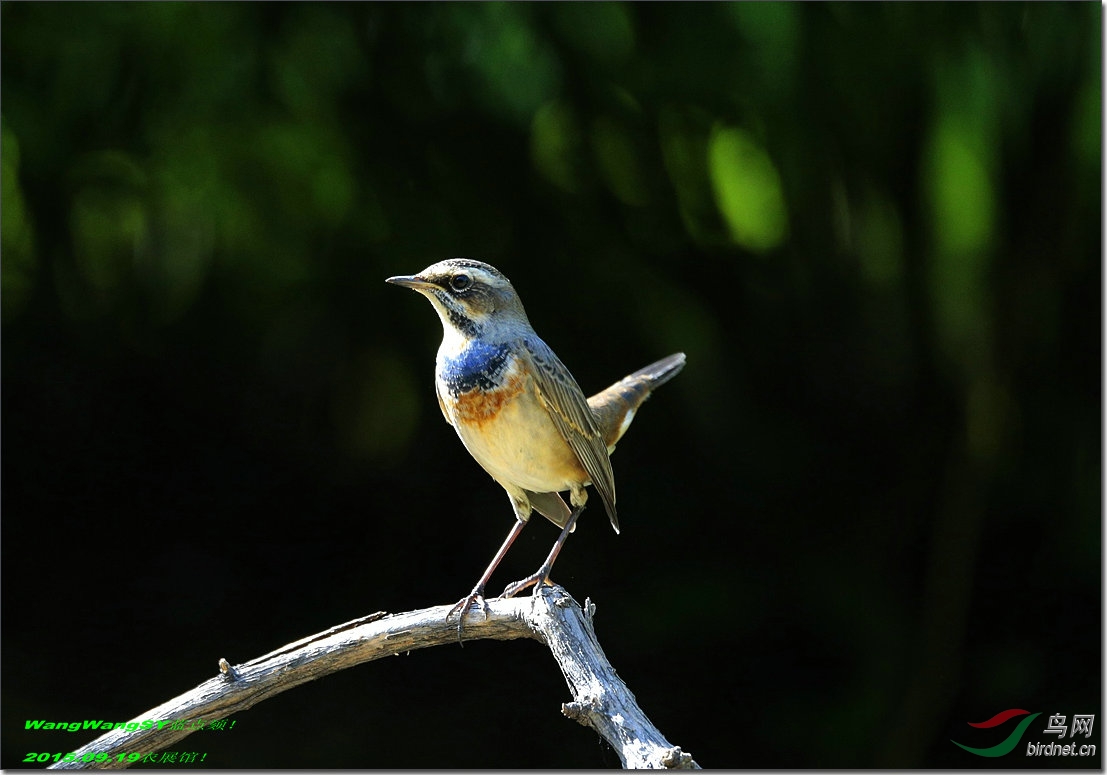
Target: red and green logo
x,y
1012,740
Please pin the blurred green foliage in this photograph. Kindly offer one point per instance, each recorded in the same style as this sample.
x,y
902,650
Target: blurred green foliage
x,y
747,190
874,228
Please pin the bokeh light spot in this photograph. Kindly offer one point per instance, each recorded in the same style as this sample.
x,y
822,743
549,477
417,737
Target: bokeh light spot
x,y
747,190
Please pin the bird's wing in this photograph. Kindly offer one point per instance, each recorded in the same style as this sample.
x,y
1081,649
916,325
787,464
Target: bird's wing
x,y
563,399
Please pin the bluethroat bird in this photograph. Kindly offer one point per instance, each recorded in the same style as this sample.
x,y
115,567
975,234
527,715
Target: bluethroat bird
x,y
519,411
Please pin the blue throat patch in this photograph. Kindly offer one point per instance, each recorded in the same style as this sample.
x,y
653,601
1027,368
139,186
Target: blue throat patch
x,y
479,366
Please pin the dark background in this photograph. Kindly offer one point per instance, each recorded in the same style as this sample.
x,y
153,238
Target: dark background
x,y
866,513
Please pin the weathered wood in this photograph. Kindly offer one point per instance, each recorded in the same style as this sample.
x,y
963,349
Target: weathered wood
x,y
600,698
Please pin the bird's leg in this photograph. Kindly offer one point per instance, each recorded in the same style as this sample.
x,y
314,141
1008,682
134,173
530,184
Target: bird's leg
x,y
542,575
477,595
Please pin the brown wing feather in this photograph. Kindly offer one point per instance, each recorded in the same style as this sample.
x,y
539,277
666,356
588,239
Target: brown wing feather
x,y
563,399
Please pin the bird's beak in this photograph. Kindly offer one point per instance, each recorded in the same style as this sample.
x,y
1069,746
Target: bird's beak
x,y
415,282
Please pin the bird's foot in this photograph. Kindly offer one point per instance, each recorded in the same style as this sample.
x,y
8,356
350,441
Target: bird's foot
x,y
461,608
542,576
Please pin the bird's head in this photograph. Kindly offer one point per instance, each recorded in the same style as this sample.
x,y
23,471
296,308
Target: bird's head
x,y
472,298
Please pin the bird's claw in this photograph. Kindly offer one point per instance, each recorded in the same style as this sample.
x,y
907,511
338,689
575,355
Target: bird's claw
x,y
461,608
535,579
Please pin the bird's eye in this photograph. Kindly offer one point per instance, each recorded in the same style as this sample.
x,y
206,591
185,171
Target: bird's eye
x,y
461,282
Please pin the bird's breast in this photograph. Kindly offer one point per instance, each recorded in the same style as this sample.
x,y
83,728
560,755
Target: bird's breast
x,y
478,383
476,368
481,407
490,401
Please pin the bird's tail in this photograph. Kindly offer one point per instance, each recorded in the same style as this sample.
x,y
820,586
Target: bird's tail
x,y
614,407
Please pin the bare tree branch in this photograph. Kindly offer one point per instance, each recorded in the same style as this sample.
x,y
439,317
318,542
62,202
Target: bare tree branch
x,y
600,698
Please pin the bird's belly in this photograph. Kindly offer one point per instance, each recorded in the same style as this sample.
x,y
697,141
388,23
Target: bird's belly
x,y
513,438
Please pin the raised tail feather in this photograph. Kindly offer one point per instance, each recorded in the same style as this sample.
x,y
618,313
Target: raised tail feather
x,y
614,407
